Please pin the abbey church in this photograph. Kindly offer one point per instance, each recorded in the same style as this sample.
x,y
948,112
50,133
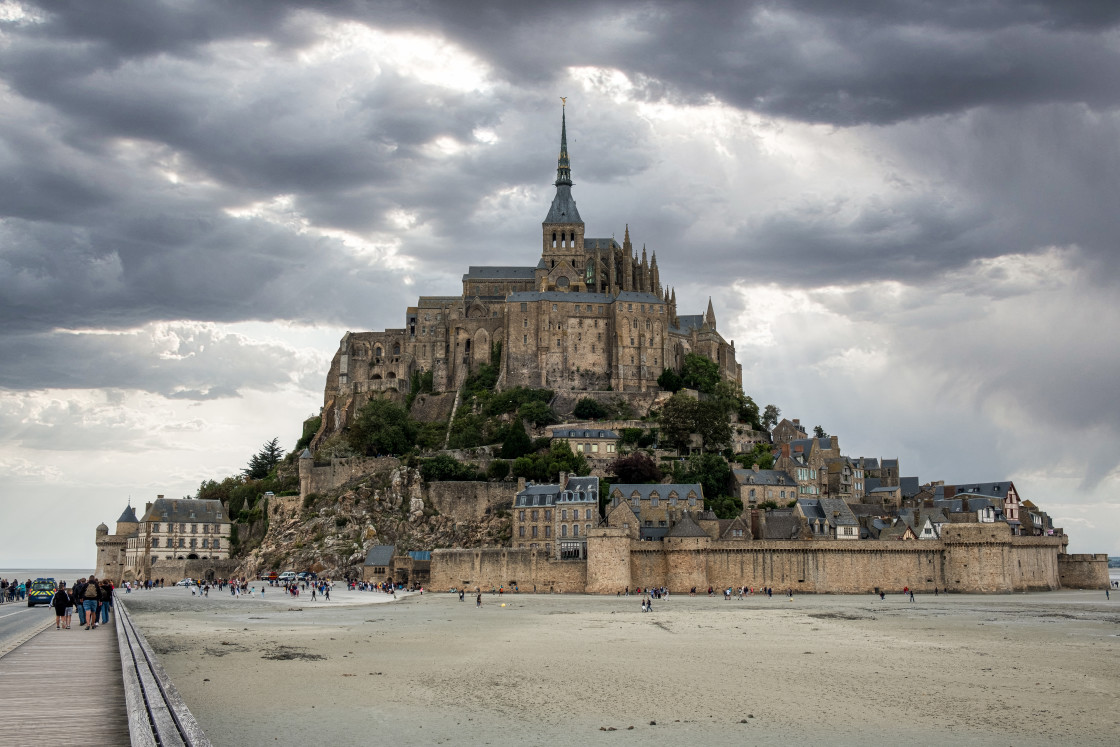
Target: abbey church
x,y
590,315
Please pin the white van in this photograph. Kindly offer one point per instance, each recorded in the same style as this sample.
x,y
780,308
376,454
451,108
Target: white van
x,y
287,577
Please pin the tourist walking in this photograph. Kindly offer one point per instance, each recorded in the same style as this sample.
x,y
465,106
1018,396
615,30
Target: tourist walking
x,y
106,598
911,595
89,602
477,600
61,603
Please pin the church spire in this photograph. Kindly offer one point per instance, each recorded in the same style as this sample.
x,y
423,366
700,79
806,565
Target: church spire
x,y
563,166
710,316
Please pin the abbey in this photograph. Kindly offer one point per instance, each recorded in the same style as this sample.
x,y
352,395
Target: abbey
x,y
590,315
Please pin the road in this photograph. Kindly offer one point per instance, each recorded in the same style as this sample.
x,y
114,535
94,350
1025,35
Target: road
x,y
17,619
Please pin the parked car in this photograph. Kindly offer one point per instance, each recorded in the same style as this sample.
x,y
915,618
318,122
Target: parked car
x,y
287,576
41,591
186,582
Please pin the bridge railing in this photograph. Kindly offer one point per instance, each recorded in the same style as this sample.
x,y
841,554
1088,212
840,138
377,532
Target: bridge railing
x,y
157,714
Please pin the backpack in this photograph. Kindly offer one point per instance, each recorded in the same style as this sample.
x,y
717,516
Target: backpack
x,y
91,591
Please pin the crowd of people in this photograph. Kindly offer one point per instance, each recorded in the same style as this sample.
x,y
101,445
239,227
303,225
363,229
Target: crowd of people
x,y
14,590
93,600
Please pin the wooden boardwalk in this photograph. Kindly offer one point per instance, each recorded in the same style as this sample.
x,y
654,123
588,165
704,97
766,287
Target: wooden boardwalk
x,y
62,687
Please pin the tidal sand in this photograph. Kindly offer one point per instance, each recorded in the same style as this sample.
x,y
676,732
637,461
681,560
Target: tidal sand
x,y
956,669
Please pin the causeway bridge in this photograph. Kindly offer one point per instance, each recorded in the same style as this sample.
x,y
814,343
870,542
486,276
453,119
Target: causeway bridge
x,y
97,687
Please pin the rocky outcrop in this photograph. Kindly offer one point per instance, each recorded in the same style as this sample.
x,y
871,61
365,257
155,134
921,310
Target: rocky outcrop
x,y
330,533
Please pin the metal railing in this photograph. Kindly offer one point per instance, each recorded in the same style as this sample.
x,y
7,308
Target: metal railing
x,y
157,714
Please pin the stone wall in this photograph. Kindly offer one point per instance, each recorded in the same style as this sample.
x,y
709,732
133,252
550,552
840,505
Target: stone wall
x,y
565,401
489,568
321,478
172,571
432,408
1083,571
470,501
975,562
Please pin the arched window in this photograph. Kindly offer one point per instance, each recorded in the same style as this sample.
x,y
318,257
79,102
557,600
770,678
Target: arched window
x,y
553,239
377,351
396,348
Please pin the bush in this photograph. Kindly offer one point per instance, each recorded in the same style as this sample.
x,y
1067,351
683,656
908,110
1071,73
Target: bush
x,y
636,468
516,441
382,427
670,381
429,436
589,409
498,469
537,413
310,428
444,467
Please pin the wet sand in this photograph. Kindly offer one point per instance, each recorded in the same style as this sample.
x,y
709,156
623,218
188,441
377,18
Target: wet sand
x,y
1007,669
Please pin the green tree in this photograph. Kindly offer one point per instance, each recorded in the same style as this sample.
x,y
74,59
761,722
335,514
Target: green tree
x,y
635,468
498,469
678,420
261,463
770,416
589,409
382,427
537,413
710,470
516,441
629,436
713,426
700,373
444,467
670,381
761,454
819,432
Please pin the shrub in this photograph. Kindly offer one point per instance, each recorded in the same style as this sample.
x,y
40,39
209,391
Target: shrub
x,y
589,409
498,469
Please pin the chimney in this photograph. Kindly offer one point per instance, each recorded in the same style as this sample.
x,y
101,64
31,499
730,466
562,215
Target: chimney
x,y
147,507
785,450
520,484
835,442
159,497
797,422
755,466
563,479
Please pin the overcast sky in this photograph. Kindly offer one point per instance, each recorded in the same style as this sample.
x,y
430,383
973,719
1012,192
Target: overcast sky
x,y
906,214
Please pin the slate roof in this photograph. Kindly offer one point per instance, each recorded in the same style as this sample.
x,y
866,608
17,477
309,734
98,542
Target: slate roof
x,y
560,296
687,322
883,489
563,208
483,272
869,462
910,486
833,511
763,477
890,464
128,515
603,244
782,525
686,527
583,433
956,505
381,555
581,489
871,483
663,490
186,510
989,489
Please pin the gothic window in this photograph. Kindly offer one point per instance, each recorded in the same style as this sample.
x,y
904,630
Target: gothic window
x,y
553,239
397,349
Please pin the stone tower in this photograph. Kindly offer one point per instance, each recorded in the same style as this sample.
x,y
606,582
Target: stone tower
x,y
562,229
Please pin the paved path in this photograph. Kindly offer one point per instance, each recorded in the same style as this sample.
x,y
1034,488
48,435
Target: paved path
x,y
62,687
18,622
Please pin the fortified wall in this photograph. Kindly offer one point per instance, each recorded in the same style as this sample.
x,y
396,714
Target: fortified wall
x,y
982,558
1083,571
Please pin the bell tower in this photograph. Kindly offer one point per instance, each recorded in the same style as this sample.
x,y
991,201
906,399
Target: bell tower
x,y
562,254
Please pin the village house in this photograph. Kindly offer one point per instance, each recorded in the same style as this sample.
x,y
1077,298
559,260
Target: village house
x,y
648,512
755,486
828,518
557,517
593,443
788,430
1003,492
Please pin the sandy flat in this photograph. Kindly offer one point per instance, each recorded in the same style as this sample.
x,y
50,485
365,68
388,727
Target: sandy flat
x,y
1006,669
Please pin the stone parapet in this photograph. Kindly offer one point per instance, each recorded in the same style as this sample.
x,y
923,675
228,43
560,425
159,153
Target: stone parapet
x,y
1083,571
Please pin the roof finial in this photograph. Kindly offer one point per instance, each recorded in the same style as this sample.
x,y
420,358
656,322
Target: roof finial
x,y
563,166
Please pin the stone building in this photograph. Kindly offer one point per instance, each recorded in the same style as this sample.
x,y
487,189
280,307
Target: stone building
x,y
757,486
169,532
557,518
591,314
649,512
806,459
593,443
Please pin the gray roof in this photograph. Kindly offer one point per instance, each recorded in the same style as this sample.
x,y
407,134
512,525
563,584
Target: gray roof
x,y
782,525
576,489
884,489
686,322
583,433
990,489
871,483
639,296
604,244
910,486
381,555
563,208
475,272
956,505
833,511
663,490
128,515
686,527
186,510
763,477
560,296
890,463
869,462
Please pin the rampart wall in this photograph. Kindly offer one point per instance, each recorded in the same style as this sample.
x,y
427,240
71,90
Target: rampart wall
x,y
490,568
1082,571
319,478
972,561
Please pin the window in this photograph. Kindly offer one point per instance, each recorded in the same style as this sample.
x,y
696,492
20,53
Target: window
x,y
524,307
194,543
525,339
563,530
182,542
548,514
215,544
575,530
588,514
534,532
547,532
521,515
564,515
595,448
557,342
525,323
534,514
554,307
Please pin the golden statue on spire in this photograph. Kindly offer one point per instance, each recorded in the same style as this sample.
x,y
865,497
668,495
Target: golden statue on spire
x,y
564,101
